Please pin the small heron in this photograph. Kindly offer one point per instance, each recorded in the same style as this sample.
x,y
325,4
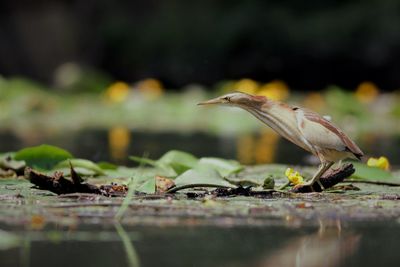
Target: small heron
x,y
301,126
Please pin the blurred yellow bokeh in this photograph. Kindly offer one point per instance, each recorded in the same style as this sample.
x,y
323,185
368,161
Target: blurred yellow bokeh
x,y
245,148
119,139
381,163
257,148
117,92
37,222
151,88
275,90
247,86
366,92
266,147
314,101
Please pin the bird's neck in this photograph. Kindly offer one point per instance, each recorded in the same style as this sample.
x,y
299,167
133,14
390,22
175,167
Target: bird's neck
x,y
280,117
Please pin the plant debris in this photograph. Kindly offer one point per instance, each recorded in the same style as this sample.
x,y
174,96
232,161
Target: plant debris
x,y
329,179
58,184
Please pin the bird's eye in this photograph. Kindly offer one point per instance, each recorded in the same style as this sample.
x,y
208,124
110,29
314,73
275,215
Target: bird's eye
x,y
227,98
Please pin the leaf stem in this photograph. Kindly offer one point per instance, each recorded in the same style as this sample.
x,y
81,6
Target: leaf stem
x,y
186,186
371,182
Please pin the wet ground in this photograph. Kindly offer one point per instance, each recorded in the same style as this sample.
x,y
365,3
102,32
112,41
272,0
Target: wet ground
x,y
337,228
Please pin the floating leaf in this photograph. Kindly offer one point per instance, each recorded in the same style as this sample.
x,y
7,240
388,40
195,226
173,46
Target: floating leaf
x,y
180,161
144,161
43,156
148,187
223,166
176,160
107,165
369,173
81,163
7,162
201,175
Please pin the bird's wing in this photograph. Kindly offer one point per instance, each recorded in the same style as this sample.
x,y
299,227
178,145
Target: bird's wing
x,y
321,132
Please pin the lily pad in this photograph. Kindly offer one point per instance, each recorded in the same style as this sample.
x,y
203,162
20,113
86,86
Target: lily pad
x,y
369,173
201,175
148,187
223,166
43,156
107,165
7,162
81,163
178,161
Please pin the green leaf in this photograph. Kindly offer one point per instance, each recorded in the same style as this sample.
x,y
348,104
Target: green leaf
x,y
43,156
107,165
7,162
148,187
179,161
144,161
201,175
81,163
223,166
175,160
363,171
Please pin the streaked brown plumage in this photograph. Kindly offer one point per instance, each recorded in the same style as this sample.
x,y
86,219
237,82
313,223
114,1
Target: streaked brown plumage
x,y
301,126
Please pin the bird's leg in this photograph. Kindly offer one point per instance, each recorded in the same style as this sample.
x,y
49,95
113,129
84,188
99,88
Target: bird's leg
x,y
321,170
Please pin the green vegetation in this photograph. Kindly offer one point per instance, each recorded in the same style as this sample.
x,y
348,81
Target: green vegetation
x,y
27,106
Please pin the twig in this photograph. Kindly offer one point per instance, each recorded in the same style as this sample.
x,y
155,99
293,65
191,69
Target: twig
x,y
371,182
178,188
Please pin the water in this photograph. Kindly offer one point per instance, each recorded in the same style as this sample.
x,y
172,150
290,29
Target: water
x,y
115,145
271,243
350,244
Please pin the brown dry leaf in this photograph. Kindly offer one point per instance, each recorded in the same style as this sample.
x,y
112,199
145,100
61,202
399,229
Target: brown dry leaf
x,y
163,184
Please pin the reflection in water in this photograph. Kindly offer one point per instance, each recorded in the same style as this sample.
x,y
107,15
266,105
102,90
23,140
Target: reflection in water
x,y
328,247
131,254
257,148
119,139
299,244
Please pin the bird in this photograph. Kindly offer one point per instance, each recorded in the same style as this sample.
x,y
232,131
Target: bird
x,y
303,127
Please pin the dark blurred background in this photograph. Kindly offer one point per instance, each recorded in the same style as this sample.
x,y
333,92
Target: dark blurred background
x,y
308,44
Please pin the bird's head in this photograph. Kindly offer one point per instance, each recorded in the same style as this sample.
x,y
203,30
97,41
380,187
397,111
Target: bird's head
x,y
237,99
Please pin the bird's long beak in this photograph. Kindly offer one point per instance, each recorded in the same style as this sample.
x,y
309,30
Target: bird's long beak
x,y
211,102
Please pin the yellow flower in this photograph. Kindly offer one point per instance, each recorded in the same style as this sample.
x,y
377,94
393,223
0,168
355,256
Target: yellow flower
x,y
275,90
246,86
117,92
381,163
294,177
366,92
